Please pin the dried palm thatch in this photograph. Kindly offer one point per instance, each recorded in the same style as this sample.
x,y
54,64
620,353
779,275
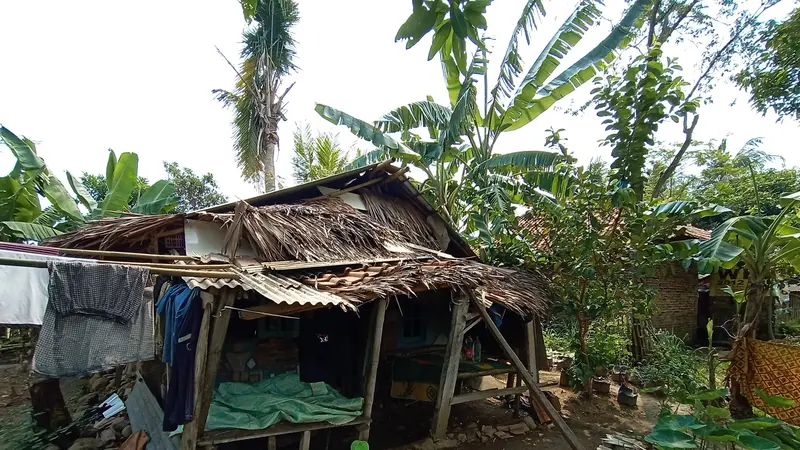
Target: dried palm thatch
x,y
523,292
315,230
401,215
117,233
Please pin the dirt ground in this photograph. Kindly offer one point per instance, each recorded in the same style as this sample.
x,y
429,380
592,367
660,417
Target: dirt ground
x,y
400,423
590,420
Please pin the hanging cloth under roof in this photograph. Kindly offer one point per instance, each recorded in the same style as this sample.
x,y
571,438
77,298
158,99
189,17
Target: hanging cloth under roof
x,y
23,290
92,336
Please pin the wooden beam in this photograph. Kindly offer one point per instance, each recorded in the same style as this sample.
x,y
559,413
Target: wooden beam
x,y
81,252
233,435
305,440
272,443
483,373
480,395
572,440
452,355
190,430
530,347
41,264
372,370
220,330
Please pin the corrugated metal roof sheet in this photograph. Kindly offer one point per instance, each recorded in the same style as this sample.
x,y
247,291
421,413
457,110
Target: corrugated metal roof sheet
x,y
281,289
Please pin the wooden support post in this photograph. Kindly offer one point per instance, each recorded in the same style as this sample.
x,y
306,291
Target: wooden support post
x,y
190,430
220,330
452,355
305,440
272,443
570,437
530,344
117,377
372,368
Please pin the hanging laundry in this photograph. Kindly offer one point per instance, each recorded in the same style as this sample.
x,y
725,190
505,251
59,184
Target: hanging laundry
x,y
23,290
77,344
182,311
107,290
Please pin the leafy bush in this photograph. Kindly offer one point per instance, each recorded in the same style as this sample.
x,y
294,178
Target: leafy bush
x,y
789,327
711,426
672,367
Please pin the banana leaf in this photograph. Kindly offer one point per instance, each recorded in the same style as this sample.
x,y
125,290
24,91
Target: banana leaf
x,y
24,151
82,193
58,196
110,166
29,231
520,162
511,65
415,115
358,127
156,198
526,108
124,182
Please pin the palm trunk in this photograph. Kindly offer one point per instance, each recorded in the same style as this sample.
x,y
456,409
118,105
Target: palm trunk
x,y
270,144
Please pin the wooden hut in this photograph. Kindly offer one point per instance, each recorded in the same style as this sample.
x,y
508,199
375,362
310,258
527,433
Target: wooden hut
x,y
363,244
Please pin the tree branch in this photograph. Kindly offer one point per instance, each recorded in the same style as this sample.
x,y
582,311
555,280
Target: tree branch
x,y
676,160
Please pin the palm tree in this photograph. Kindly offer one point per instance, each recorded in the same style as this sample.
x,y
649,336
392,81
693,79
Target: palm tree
x,y
267,57
752,157
317,156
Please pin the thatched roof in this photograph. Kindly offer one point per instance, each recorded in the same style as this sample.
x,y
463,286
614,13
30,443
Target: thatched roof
x,y
524,292
300,226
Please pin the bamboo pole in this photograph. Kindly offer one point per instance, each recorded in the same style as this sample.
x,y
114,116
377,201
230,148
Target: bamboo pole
x,y
156,270
81,252
374,359
570,437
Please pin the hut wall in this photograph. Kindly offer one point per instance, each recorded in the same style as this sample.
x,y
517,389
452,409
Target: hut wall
x,y
675,304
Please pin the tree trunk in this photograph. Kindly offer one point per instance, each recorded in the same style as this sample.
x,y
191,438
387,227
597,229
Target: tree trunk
x,y
740,407
583,330
270,145
770,317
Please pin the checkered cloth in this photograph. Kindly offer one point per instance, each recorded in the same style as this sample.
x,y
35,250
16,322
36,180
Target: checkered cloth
x,y
109,290
78,344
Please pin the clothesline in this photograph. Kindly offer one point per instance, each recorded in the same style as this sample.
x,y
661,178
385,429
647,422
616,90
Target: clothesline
x,y
154,268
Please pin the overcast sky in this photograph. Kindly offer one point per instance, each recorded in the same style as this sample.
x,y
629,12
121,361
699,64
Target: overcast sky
x,y
81,77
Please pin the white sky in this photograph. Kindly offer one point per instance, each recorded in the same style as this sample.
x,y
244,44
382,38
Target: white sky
x,y
81,77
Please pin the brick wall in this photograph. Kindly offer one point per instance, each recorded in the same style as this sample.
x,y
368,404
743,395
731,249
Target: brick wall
x,y
675,304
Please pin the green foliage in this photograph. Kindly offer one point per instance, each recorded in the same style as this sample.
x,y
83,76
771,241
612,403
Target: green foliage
x,y
773,77
672,368
97,188
634,106
192,191
317,156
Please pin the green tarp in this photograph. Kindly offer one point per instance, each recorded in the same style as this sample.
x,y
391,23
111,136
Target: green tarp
x,y
283,398
427,367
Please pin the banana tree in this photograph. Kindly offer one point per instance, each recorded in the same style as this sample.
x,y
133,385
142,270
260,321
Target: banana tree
x,y
761,245
458,155
22,215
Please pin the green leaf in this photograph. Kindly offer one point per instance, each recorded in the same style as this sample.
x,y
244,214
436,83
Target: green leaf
x,y
678,422
710,331
57,194
755,424
511,65
717,413
674,208
459,21
752,442
249,9
440,38
775,400
155,198
425,114
110,165
716,247
670,439
124,176
721,434
465,103
370,157
358,127
525,108
418,24
80,191
710,394
23,151
521,162
29,231
788,200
